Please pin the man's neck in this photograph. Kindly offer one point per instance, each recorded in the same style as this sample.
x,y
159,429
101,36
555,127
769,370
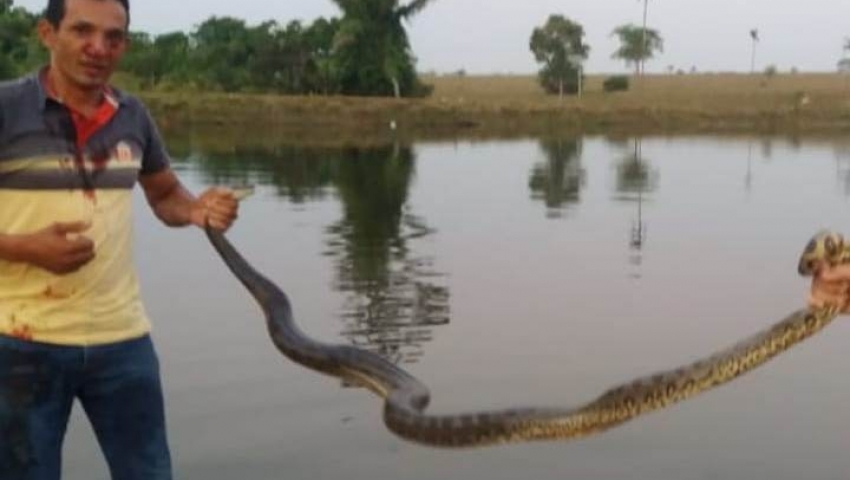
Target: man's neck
x,y
85,101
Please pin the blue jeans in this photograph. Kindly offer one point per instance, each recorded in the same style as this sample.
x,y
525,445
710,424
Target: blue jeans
x,y
119,388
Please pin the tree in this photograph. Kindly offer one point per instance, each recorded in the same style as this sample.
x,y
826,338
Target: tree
x,y
222,51
174,54
559,46
154,61
140,59
373,50
320,40
637,44
280,57
20,49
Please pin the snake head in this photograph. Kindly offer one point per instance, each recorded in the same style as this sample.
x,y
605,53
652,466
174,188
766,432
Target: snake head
x,y
824,249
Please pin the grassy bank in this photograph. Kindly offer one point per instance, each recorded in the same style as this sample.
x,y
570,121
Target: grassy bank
x,y
508,106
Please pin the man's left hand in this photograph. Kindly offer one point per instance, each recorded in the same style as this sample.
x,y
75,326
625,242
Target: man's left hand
x,y
216,207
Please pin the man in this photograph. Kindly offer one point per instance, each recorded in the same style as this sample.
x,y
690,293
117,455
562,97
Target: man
x,y
71,321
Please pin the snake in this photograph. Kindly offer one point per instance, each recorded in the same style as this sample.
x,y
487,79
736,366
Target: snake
x,y
406,398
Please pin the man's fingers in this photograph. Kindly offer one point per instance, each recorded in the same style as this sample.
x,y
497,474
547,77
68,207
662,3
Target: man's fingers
x,y
831,287
222,209
219,194
83,257
220,223
838,273
820,299
814,301
72,263
80,245
76,264
218,207
64,228
221,218
224,200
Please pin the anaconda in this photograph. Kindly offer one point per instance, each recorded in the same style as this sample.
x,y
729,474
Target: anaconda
x,y
406,398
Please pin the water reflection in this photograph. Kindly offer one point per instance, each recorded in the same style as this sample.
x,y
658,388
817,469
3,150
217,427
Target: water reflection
x,y
635,174
748,177
842,165
392,297
635,179
558,180
301,175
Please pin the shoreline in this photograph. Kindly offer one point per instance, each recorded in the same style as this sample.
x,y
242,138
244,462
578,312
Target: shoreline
x,y
505,107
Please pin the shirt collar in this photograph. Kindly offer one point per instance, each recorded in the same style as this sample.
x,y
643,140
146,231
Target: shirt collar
x,y
114,96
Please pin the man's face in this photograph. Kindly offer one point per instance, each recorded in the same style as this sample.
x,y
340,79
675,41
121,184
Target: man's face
x,y
89,42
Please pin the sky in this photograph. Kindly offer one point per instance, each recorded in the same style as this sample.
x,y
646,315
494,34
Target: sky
x,y
491,36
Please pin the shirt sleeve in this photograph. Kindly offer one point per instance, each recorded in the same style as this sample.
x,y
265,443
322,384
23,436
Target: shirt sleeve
x,y
155,156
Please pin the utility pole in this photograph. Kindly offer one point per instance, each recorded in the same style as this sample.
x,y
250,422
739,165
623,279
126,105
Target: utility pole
x,y
754,34
643,39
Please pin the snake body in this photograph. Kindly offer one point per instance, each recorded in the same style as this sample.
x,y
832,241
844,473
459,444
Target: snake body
x,y
406,398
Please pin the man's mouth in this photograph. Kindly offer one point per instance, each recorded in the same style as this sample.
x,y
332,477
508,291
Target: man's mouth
x,y
94,69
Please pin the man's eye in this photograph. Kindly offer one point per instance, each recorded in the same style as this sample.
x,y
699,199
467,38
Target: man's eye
x,y
81,29
115,37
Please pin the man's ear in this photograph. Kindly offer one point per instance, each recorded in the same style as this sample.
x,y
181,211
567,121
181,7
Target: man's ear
x,y
46,33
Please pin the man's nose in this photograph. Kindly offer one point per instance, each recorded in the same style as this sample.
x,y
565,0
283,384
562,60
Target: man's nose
x,y
97,46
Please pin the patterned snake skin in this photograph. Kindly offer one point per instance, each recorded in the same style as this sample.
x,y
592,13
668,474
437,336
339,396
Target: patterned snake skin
x,y
406,397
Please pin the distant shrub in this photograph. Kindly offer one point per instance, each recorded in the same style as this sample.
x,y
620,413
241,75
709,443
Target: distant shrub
x,y
617,83
422,90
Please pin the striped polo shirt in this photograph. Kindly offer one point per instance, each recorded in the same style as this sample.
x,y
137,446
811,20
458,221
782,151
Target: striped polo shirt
x,y
53,168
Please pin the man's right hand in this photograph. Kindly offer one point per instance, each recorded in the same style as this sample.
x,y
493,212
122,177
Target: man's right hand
x,y
59,248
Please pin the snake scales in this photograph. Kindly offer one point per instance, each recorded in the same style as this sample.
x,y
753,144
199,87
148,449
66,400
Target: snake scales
x,y
406,397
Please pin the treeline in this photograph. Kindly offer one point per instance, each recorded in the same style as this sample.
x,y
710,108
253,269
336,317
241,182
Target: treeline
x,y
365,52
225,54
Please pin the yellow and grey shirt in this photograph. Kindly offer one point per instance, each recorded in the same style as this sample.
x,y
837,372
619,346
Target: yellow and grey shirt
x,y
49,174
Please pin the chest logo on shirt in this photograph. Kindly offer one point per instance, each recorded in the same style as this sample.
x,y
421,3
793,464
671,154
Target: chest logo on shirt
x,y
123,152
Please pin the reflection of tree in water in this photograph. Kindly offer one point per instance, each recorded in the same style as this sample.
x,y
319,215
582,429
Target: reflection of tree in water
x,y
635,176
393,298
635,179
748,177
558,180
297,174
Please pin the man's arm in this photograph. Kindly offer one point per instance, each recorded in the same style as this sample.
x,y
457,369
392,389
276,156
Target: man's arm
x,y
10,247
175,206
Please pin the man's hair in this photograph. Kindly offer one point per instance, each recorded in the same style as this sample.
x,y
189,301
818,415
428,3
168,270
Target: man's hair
x,y
56,11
